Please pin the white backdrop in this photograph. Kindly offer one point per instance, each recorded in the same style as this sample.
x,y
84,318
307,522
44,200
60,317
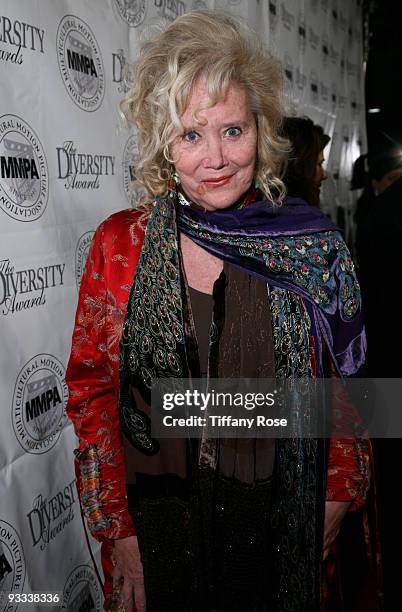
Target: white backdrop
x,y
64,167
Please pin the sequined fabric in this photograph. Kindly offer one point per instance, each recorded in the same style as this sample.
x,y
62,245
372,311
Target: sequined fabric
x,y
297,514
224,567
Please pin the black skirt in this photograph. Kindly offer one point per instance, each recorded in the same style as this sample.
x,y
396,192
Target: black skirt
x,y
204,550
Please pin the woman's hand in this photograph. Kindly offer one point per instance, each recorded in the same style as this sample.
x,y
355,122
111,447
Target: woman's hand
x,y
128,578
334,513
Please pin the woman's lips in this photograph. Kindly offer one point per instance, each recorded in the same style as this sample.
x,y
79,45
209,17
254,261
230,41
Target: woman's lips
x,y
217,182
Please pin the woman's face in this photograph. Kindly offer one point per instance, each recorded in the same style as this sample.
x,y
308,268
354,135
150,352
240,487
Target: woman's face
x,y
320,173
215,157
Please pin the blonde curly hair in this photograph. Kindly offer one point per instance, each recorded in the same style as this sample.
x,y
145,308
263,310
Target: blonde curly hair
x,y
222,50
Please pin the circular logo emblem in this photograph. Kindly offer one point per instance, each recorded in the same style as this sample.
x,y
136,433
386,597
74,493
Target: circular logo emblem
x,y
82,590
302,33
12,566
273,14
334,96
39,401
342,62
81,254
335,16
324,91
199,5
132,11
354,104
24,177
80,63
289,76
324,49
314,87
130,159
351,36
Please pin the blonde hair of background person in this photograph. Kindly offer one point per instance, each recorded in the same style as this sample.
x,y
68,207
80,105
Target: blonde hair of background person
x,y
224,51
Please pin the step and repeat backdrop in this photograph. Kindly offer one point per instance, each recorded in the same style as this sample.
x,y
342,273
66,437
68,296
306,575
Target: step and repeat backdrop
x,y
66,163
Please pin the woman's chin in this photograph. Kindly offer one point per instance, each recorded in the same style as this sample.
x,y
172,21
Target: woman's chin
x,y
220,201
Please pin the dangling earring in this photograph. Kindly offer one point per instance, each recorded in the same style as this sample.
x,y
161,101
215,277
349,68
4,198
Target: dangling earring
x,y
173,183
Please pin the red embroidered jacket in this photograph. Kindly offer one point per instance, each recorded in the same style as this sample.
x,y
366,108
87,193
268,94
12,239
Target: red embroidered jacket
x,y
92,377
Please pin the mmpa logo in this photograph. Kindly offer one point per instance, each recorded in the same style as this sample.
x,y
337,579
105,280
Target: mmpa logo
x,y
132,11
39,401
82,590
80,63
24,177
12,565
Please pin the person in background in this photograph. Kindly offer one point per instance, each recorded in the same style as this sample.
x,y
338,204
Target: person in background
x,y
217,275
361,180
379,252
304,171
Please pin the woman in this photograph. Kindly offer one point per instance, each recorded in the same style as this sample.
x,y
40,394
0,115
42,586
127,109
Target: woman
x,y
304,170
211,279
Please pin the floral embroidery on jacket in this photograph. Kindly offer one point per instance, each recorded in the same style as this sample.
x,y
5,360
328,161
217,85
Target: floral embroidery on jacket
x,y
92,373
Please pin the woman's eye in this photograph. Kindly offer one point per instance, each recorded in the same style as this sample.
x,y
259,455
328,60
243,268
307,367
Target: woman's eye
x,y
233,131
191,136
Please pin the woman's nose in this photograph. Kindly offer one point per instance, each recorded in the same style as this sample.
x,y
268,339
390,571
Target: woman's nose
x,y
214,156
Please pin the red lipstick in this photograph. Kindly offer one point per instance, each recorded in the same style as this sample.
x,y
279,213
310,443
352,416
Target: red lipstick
x,y
218,181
